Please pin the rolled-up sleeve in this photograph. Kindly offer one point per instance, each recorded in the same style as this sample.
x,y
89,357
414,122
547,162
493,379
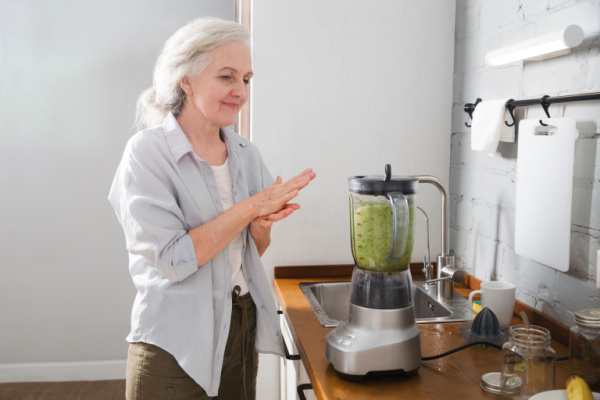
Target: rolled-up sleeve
x,y
145,203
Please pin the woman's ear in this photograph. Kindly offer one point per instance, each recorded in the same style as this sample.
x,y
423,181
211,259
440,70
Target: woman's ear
x,y
186,85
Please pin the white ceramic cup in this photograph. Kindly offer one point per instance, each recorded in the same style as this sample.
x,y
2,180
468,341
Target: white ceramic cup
x,y
498,297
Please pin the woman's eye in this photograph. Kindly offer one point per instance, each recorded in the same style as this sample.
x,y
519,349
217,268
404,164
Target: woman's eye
x,y
226,77
246,80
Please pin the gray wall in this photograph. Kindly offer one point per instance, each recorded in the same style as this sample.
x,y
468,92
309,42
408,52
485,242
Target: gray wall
x,y
70,74
483,187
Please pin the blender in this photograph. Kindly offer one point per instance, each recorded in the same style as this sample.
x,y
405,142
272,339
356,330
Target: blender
x,y
381,335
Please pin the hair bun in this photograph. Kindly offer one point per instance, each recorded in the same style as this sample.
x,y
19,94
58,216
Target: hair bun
x,y
148,111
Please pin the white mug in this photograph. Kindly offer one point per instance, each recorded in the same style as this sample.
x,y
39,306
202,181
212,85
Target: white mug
x,y
499,297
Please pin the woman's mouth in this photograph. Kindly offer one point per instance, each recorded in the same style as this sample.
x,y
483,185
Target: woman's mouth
x,y
233,106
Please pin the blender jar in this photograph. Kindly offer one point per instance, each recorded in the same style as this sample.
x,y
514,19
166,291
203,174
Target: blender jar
x,y
382,214
382,221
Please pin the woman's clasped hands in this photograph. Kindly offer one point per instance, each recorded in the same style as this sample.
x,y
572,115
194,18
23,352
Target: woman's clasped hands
x,y
272,204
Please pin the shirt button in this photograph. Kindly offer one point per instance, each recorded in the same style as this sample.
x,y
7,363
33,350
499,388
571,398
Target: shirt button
x,y
277,333
170,390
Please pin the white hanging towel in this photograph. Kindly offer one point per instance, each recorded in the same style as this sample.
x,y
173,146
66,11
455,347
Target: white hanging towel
x,y
488,126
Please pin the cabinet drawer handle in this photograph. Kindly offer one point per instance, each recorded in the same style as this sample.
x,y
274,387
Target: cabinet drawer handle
x,y
288,356
302,388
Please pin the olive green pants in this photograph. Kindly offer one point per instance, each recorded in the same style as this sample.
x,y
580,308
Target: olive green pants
x,y
153,373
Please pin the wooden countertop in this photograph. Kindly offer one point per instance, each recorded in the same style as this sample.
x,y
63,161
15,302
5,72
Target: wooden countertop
x,y
456,376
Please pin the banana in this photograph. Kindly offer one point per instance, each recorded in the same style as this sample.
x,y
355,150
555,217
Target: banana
x,y
578,389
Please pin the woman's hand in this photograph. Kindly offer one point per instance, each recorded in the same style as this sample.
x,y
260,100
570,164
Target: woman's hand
x,y
272,203
268,220
260,227
260,211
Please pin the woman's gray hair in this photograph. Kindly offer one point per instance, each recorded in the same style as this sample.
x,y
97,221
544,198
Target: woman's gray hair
x,y
186,53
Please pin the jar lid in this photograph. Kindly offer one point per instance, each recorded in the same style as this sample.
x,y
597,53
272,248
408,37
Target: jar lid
x,y
382,184
490,382
588,317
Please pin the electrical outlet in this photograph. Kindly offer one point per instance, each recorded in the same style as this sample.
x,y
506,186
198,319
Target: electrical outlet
x,y
598,269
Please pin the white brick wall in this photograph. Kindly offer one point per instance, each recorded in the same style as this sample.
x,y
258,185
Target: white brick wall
x,y
482,188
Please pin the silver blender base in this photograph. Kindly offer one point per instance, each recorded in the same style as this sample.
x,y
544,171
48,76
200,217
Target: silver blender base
x,y
375,341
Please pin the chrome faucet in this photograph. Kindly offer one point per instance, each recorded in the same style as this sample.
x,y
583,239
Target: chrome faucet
x,y
447,273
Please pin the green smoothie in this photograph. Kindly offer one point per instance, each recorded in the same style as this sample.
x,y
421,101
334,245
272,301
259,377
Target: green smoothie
x,y
372,237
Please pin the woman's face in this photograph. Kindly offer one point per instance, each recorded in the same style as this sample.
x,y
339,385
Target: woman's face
x,y
221,89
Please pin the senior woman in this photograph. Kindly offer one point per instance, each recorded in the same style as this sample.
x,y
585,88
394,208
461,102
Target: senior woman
x,y
196,203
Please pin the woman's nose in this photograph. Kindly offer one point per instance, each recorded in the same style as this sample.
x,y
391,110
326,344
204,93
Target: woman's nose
x,y
240,90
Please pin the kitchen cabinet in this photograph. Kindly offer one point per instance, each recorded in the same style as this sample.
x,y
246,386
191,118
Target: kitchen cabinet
x,y
457,376
292,372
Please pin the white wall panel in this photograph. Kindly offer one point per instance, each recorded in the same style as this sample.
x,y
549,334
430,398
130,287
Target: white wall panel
x,y
345,87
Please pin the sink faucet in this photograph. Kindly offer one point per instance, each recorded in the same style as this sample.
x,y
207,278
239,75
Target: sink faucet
x,y
447,273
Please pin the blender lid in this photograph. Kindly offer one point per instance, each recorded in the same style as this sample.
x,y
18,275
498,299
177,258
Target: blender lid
x,y
383,184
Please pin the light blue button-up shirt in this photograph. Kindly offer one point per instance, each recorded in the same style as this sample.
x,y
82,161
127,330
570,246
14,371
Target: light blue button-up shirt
x,y
162,190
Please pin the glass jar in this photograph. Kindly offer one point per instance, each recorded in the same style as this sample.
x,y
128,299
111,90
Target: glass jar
x,y
584,347
528,362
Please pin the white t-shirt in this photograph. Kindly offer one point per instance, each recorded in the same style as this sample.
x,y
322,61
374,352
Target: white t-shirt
x,y
236,247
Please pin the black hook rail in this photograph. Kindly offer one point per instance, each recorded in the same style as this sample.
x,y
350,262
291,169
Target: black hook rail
x,y
545,102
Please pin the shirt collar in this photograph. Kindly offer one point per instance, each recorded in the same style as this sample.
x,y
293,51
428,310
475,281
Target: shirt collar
x,y
178,142
180,145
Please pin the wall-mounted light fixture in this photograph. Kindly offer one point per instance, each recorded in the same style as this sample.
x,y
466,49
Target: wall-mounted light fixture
x,y
539,48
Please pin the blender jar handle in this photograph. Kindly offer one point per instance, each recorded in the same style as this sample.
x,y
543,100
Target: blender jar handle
x,y
400,216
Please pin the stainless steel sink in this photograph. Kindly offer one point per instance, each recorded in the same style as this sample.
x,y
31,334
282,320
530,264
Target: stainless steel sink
x,y
330,302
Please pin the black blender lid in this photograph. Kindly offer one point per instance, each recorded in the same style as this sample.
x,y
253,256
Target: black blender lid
x,y
382,184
